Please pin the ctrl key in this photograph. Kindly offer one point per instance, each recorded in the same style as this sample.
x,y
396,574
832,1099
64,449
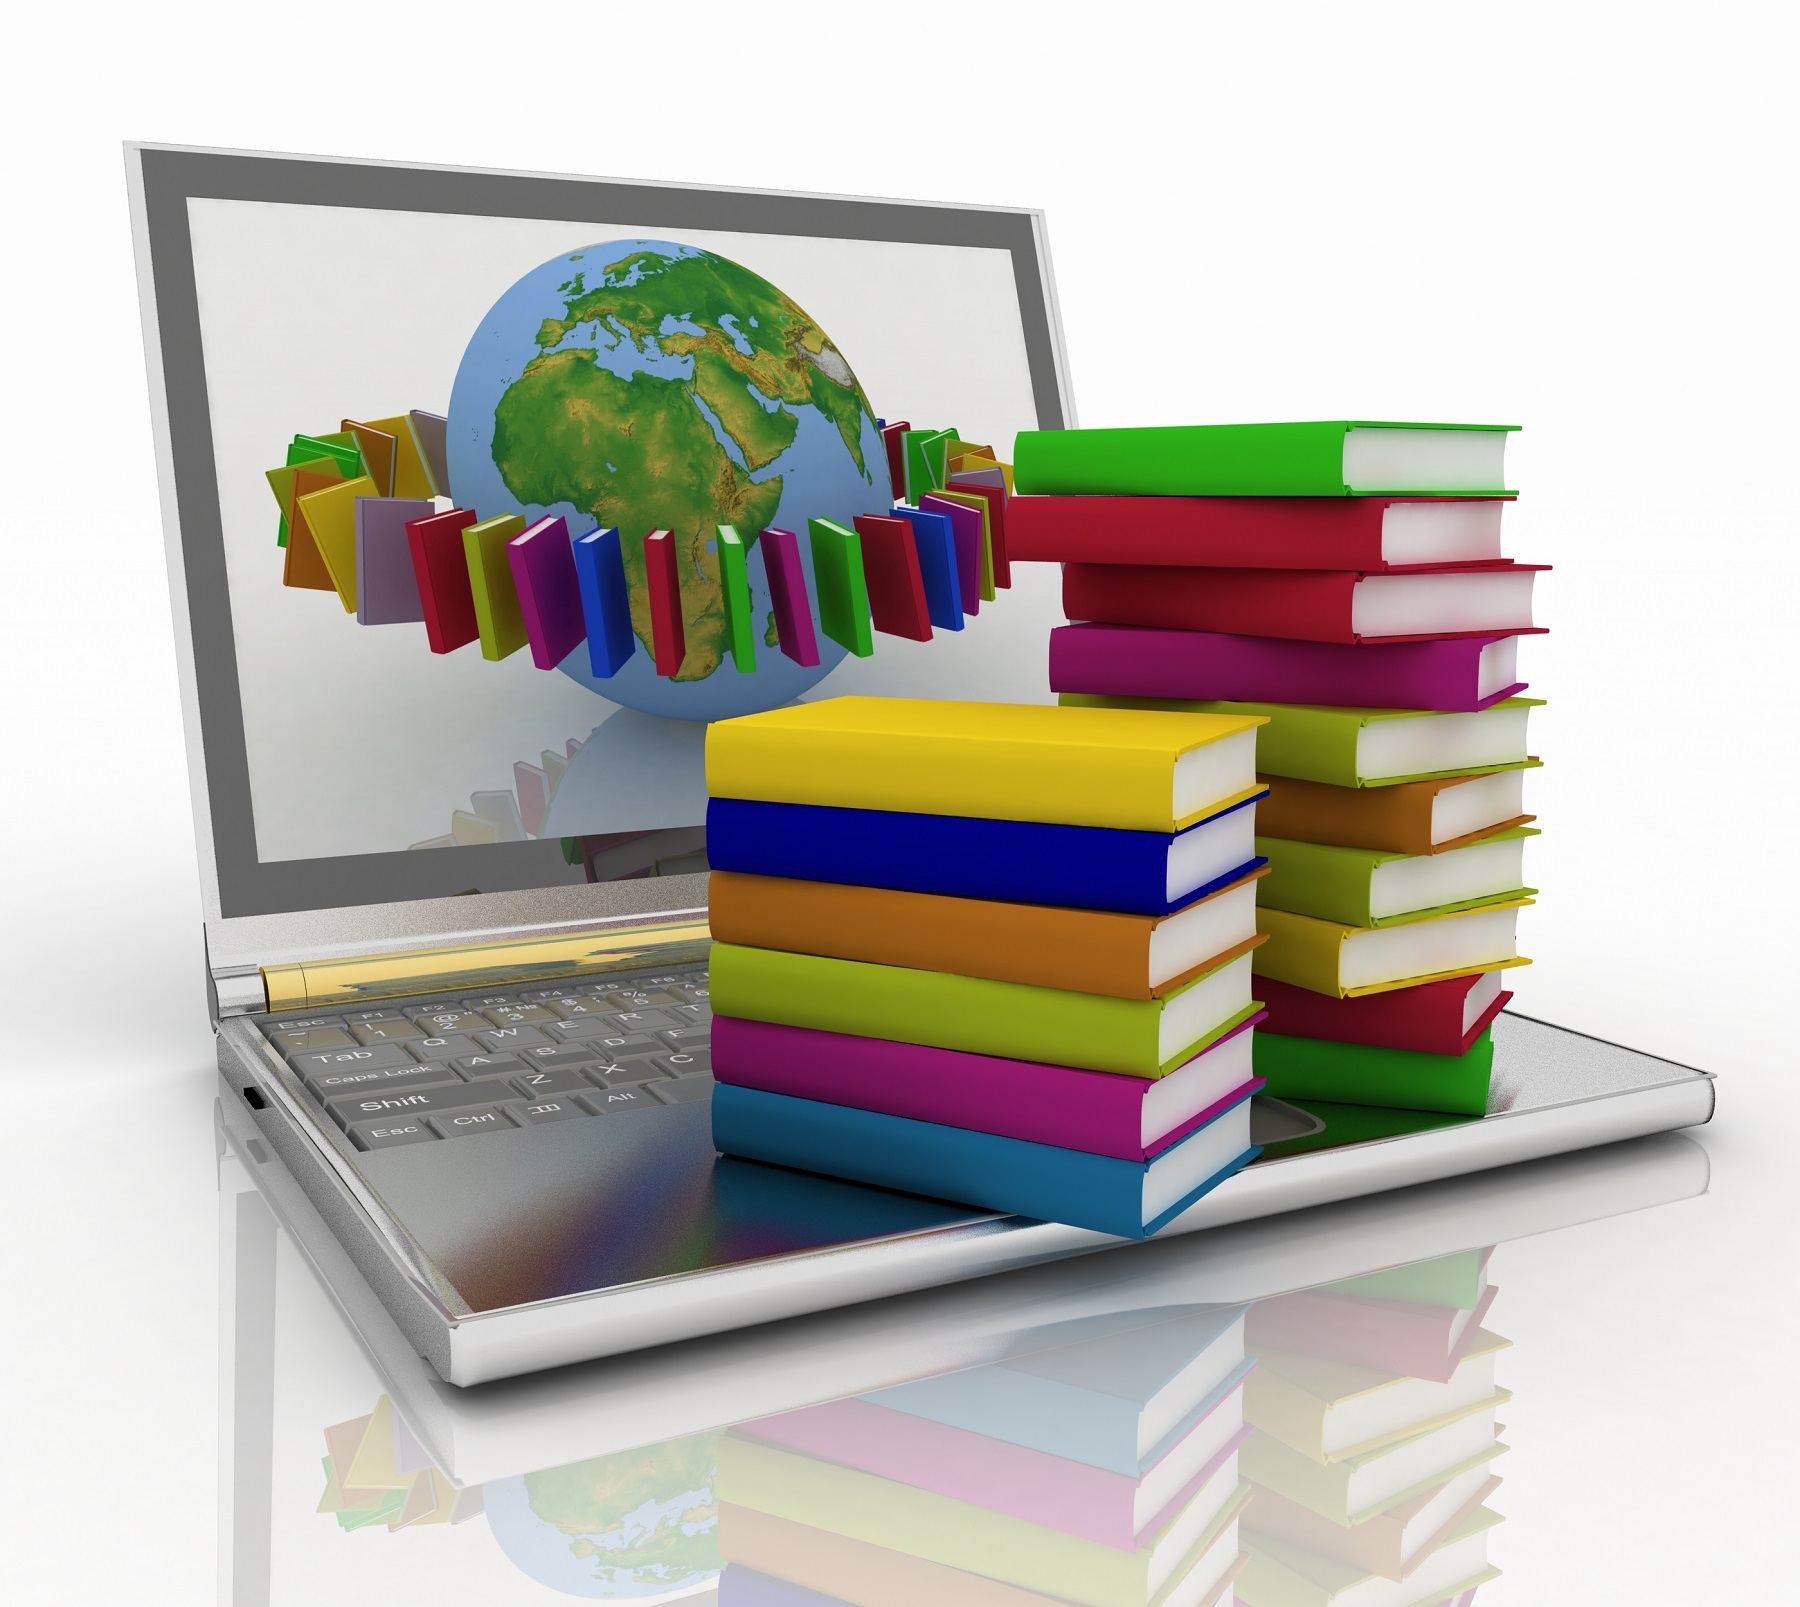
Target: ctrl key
x,y
477,1119
390,1134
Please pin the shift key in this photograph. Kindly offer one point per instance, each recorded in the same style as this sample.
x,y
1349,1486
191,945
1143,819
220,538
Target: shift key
x,y
407,1102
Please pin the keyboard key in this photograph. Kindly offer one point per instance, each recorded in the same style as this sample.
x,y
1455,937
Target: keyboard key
x,y
387,1054
575,1009
626,1072
488,1001
561,1054
691,995
545,995
296,1040
328,1085
390,1134
688,1039
453,1020
372,1015
605,1101
582,1027
639,999
538,1112
299,1023
391,1029
503,1040
644,1020
460,1123
686,1091
517,1015
369,1106
458,1043
690,1015
477,1067
535,1084
699,1065
623,1048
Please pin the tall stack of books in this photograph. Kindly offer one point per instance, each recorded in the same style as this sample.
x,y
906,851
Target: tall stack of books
x,y
1374,1403
1344,581
993,953
1102,1472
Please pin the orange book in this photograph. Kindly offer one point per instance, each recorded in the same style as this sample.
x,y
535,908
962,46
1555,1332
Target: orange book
x,y
1413,817
1081,951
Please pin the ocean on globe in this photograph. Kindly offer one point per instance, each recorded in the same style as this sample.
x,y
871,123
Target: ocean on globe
x,y
655,386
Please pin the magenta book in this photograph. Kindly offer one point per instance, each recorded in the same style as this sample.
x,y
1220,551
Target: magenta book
x,y
1460,675
1096,1112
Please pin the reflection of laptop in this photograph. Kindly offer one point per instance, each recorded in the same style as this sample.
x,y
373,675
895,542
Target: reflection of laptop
x,y
454,915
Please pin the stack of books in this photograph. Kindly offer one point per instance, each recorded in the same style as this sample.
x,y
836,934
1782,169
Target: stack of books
x,y
997,954
1374,1403
1344,582
1102,1472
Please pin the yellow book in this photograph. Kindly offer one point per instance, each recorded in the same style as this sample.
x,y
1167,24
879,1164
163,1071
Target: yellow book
x,y
412,472
1346,962
331,516
497,614
1120,768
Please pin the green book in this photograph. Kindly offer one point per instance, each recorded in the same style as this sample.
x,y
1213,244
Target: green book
x,y
1335,458
341,448
1370,887
843,592
1137,1037
1357,1488
1458,1279
1353,1124
924,461
1359,1074
734,591
1363,747
497,614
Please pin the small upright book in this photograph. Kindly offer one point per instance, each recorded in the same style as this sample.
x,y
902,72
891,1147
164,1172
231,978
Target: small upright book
x,y
998,761
1412,817
1332,458
1439,1018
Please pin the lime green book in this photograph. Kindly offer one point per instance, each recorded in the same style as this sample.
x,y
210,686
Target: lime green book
x,y
497,613
1353,1490
1135,1037
1363,747
993,1545
1360,1074
1283,1575
734,594
1333,458
842,588
1369,887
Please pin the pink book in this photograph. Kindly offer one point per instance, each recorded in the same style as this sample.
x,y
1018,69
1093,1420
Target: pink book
x,y
543,571
1097,1112
1454,676
1112,1509
794,633
1391,1336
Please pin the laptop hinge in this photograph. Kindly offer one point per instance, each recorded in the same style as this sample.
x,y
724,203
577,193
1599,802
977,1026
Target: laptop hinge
x,y
512,962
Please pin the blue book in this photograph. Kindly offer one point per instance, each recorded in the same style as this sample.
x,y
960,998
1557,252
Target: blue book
x,y
961,856
745,1587
935,538
1128,1199
605,601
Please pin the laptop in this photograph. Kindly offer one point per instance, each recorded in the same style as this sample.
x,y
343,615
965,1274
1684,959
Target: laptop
x,y
454,899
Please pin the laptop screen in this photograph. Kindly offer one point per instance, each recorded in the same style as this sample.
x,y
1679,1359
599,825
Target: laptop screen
x,y
378,379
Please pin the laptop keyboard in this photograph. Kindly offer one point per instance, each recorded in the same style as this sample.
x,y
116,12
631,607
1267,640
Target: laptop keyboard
x,y
426,1071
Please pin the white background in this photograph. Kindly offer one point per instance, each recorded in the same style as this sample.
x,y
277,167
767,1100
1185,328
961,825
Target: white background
x,y
1575,217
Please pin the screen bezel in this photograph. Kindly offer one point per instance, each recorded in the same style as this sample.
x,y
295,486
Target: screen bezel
x,y
259,912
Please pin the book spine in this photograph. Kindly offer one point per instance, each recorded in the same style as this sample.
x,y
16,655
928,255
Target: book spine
x,y
1331,884
1394,820
1220,532
1025,862
1356,1074
1095,1111
1303,605
1427,1019
1132,661
1301,741
1208,460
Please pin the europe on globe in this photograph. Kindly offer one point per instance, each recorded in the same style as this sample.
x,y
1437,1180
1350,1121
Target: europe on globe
x,y
648,385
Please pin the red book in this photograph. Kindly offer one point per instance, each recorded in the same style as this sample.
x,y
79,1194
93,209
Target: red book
x,y
1435,1018
1370,534
442,570
893,441
891,571
1308,605
662,573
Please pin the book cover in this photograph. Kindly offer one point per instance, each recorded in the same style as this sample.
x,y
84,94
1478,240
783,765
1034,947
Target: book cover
x,y
1392,1336
1369,887
1139,1037
1012,861
1457,674
1310,605
1357,747
1128,1199
1348,961
1132,1118
1358,1074
998,761
1329,458
1434,1019
1400,819
1086,951
1243,532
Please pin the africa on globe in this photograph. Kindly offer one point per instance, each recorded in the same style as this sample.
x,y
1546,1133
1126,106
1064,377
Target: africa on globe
x,y
649,385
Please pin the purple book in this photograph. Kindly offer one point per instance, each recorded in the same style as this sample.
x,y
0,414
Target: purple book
x,y
744,1587
787,594
1454,677
965,528
543,571
387,588
1097,1112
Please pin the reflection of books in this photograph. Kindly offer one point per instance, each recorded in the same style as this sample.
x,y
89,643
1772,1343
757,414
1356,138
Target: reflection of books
x,y
1391,1543
1179,1564
1391,1335
1281,1575
1445,1280
376,1472
1330,1410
